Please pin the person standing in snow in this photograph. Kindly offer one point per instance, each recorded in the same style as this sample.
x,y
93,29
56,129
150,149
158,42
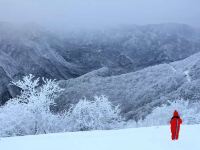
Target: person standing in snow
x,y
175,122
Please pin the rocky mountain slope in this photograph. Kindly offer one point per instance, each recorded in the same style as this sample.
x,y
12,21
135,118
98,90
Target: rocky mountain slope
x,y
31,49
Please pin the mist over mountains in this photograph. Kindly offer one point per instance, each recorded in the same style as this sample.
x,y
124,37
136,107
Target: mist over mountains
x,y
137,67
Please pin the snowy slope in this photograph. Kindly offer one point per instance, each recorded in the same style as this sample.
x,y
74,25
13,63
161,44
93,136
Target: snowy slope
x,y
138,92
151,138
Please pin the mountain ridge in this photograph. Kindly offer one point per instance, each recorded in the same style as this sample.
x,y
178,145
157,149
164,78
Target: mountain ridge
x,y
138,92
34,50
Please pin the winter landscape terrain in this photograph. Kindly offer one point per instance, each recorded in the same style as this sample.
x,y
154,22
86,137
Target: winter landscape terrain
x,y
136,67
129,76
99,75
104,79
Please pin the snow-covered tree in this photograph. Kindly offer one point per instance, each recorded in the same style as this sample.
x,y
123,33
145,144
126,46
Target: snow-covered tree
x,y
96,114
29,113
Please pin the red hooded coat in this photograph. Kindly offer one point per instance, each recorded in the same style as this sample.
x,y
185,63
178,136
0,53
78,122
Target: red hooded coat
x,y
175,125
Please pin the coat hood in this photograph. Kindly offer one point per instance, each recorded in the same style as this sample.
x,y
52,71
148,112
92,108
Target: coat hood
x,y
176,114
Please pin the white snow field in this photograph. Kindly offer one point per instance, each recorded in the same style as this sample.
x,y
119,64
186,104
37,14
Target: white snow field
x,y
150,138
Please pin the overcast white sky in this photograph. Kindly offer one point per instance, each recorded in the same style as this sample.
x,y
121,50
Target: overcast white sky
x,y
96,13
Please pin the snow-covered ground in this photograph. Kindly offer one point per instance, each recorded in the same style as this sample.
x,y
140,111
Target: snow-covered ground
x,y
150,138
187,75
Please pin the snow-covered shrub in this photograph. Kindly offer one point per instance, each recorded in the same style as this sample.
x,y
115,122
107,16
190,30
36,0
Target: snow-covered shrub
x,y
189,112
16,120
29,113
35,96
96,114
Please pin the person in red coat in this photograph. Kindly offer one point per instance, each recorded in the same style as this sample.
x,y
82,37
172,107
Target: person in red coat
x,y
175,122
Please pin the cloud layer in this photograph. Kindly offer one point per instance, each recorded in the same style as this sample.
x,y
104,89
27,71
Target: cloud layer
x,y
96,13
